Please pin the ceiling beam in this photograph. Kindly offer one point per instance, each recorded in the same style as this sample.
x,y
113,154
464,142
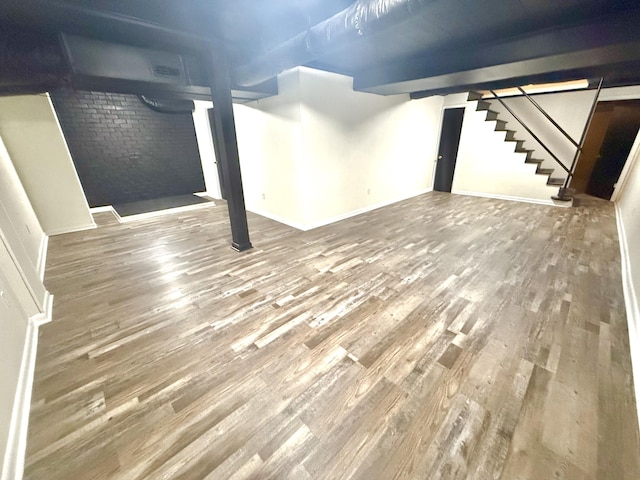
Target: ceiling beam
x,y
552,54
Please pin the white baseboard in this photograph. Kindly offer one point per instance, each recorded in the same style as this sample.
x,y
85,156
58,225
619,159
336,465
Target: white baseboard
x,y
79,228
207,195
42,256
142,216
508,197
632,306
337,218
106,208
13,464
366,209
277,218
159,213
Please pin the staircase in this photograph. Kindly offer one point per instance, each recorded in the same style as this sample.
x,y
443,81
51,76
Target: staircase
x,y
501,126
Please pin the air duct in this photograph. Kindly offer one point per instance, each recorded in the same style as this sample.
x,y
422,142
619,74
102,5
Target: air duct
x,y
168,105
363,17
30,62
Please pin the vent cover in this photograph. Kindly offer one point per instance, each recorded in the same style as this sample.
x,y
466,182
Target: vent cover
x,y
97,60
166,71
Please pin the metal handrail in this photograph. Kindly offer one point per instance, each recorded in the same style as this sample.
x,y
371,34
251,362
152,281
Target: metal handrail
x,y
548,117
584,136
553,155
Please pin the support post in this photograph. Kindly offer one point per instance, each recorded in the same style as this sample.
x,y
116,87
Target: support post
x,y
225,140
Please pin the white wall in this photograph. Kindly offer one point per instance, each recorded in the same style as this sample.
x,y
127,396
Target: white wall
x,y
569,109
205,146
24,304
270,146
628,211
34,140
488,166
13,328
363,150
319,151
620,93
20,229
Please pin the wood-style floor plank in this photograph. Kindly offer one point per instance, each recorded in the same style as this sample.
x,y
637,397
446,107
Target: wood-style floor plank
x,y
442,337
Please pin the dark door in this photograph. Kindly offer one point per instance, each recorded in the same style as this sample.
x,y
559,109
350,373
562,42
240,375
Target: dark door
x,y
448,151
221,179
615,149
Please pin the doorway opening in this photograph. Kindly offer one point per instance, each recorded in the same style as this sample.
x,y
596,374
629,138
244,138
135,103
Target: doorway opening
x,y
221,178
448,149
607,145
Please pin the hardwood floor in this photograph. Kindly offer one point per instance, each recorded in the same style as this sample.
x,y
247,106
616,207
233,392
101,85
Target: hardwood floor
x,y
443,337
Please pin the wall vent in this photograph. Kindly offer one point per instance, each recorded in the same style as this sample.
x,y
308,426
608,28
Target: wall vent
x,y
166,71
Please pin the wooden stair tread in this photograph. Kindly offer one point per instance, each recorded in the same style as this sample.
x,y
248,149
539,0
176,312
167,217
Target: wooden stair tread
x,y
510,136
491,115
483,105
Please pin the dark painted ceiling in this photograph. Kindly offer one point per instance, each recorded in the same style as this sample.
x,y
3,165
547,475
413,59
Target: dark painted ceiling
x,y
389,46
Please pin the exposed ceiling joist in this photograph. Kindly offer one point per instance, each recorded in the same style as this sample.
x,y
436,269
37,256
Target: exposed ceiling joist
x,y
580,51
388,46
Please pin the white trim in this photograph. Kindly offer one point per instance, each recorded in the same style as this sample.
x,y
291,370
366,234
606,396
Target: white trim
x,y
619,93
42,256
628,165
206,195
535,89
278,218
159,213
509,197
366,209
106,208
337,218
460,105
13,464
631,304
79,228
206,147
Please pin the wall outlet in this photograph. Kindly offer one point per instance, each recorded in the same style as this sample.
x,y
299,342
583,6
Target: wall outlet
x,y
368,191
263,196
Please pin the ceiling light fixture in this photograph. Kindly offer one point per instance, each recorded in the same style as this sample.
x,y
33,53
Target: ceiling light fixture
x,y
541,88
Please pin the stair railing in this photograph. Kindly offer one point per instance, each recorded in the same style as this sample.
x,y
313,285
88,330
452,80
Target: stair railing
x,y
548,117
583,138
562,192
526,127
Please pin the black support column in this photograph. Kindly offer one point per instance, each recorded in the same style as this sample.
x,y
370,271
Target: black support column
x,y
226,143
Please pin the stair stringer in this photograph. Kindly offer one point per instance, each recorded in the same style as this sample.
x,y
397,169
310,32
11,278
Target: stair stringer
x,y
488,165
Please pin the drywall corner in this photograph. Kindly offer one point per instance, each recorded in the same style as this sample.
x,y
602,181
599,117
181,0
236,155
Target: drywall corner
x,y
631,304
42,256
36,145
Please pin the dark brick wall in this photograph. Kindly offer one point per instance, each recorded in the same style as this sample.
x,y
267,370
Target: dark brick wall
x,y
124,151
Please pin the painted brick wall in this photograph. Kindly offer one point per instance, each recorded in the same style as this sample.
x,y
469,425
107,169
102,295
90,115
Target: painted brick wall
x,y
124,151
